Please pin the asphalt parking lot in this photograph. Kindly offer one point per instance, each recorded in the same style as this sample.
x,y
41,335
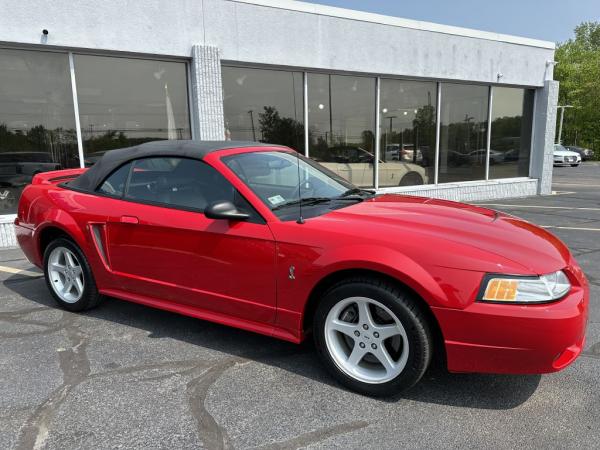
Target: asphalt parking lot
x,y
128,376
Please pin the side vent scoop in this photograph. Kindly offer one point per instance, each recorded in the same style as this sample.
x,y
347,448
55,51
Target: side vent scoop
x,y
98,236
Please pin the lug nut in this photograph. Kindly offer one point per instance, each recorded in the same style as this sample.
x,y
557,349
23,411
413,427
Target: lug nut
x,y
365,327
376,335
357,333
374,346
362,345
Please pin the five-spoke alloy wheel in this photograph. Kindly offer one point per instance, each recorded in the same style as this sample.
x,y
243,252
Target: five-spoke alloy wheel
x,y
373,336
69,277
66,275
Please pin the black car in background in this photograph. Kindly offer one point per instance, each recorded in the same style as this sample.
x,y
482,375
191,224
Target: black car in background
x,y
585,153
16,171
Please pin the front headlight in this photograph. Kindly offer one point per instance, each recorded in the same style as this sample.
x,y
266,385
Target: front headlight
x,y
515,289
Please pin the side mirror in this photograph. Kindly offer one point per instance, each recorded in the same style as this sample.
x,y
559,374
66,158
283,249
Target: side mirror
x,y
225,210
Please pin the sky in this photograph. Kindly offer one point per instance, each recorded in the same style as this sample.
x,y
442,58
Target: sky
x,y
550,20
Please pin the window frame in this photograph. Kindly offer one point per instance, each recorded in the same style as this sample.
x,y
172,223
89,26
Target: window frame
x,y
380,78
72,54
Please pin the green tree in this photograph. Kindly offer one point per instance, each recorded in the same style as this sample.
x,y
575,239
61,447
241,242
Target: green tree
x,y
281,130
578,72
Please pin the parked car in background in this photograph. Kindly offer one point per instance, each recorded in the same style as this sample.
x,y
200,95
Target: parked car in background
x,y
456,159
259,237
26,163
403,152
585,153
564,157
479,156
92,158
355,164
17,170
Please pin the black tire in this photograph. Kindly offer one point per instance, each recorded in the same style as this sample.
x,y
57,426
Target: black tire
x,y
574,165
90,297
411,179
406,308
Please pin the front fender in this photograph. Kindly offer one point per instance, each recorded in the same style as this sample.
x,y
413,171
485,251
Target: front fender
x,y
389,262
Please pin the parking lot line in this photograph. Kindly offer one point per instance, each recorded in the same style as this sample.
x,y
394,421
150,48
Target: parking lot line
x,y
13,270
576,184
570,228
540,206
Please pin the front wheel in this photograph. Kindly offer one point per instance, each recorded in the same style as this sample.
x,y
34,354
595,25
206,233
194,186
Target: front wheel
x,y
69,277
372,336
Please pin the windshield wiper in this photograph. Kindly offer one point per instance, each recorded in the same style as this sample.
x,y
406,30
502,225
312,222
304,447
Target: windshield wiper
x,y
309,201
356,191
305,201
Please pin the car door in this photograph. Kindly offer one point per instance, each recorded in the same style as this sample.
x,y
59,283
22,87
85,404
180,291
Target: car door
x,y
161,246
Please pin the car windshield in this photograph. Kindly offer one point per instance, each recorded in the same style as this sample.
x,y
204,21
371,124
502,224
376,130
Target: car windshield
x,y
284,181
559,148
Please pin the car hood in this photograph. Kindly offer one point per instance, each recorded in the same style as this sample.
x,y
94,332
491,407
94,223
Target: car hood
x,y
454,234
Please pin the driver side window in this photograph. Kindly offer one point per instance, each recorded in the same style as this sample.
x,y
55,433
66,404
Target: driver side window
x,y
180,183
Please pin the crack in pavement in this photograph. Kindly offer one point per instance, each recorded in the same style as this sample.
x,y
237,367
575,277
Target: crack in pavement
x,y
75,367
210,432
19,317
315,436
584,252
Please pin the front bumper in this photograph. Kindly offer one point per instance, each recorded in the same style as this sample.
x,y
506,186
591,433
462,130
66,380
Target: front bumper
x,y
515,339
567,160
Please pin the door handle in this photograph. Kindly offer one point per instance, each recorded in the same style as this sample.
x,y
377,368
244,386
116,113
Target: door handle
x,y
130,219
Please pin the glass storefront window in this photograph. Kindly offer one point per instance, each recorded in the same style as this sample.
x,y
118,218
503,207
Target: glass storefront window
x,y
463,132
37,122
341,117
407,130
511,128
264,105
125,102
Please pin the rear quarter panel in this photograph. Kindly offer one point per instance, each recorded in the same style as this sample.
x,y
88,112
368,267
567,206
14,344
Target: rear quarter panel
x,y
47,205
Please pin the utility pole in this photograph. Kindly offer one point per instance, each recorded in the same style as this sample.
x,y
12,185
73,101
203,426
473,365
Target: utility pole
x,y
562,116
251,112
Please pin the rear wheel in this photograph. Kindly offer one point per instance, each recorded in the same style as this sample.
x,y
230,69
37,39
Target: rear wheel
x,y
411,179
69,277
372,336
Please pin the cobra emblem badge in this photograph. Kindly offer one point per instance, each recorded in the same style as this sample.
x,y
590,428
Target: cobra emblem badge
x,y
292,273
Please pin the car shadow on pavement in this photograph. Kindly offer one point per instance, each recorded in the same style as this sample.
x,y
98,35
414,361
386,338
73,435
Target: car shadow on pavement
x,y
480,391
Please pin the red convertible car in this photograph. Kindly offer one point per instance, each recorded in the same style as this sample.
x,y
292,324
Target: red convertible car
x,y
258,237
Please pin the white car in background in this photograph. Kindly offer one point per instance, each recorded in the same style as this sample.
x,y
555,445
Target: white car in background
x,y
564,157
356,165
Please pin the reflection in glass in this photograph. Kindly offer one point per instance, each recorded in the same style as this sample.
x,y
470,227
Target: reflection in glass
x,y
125,102
37,122
407,148
264,105
512,115
463,132
341,114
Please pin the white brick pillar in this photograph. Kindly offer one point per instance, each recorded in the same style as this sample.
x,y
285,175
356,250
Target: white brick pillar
x,y
207,93
544,130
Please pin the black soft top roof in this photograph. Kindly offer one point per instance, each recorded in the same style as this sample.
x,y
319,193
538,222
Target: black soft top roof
x,y
111,160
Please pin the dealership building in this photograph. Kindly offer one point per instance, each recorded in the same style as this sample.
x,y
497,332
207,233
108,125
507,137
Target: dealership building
x,y
392,104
